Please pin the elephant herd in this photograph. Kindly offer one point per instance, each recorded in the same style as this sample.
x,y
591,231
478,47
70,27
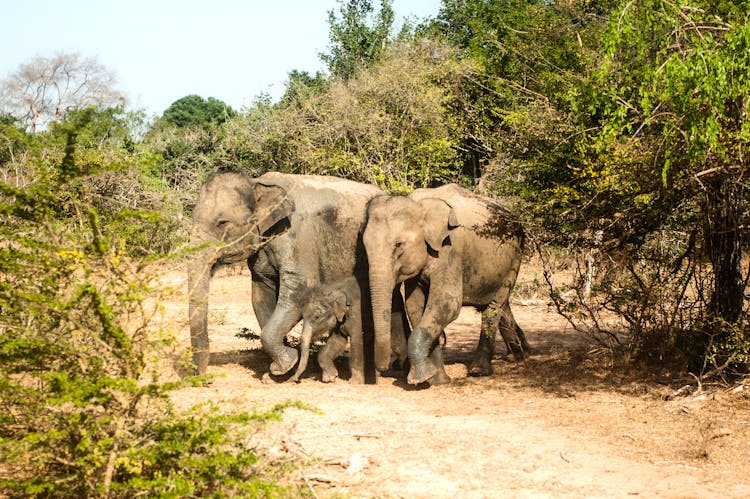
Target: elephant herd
x,y
383,274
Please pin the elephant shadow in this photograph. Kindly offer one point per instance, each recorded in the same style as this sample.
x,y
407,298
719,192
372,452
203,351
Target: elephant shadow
x,y
254,360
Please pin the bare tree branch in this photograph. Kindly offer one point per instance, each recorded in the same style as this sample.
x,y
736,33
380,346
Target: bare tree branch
x,y
45,88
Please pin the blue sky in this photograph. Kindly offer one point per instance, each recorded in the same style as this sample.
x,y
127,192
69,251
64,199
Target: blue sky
x,y
161,50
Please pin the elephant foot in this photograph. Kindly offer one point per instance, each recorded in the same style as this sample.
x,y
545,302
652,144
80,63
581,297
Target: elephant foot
x,y
480,367
284,362
421,372
517,351
200,361
519,347
357,378
519,354
441,378
329,376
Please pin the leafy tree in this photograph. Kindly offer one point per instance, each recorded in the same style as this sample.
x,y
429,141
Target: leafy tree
x,y
44,89
301,83
354,44
100,127
387,125
516,109
671,100
14,142
193,110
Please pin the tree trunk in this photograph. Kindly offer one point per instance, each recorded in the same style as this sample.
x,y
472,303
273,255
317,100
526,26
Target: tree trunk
x,y
724,245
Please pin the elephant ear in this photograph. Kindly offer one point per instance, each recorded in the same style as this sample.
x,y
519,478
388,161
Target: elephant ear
x,y
272,205
340,304
439,220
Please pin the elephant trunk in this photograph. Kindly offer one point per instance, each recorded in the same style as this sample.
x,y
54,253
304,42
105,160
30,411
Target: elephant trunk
x,y
304,351
199,275
381,293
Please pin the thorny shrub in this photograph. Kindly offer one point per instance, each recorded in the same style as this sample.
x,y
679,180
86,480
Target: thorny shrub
x,y
651,305
82,413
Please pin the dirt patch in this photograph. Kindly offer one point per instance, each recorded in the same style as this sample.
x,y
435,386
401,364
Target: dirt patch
x,y
558,425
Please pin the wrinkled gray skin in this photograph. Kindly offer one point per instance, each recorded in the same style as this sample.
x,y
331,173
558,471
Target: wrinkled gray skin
x,y
450,248
339,309
295,231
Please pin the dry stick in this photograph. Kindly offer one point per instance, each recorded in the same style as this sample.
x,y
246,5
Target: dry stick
x,y
341,434
110,471
307,482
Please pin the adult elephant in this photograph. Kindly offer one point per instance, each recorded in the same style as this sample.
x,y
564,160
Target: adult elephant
x,y
450,247
295,231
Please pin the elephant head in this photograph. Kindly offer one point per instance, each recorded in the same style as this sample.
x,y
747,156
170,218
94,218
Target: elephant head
x,y
401,237
232,219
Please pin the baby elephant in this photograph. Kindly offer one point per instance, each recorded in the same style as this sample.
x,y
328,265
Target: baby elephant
x,y
334,308
338,308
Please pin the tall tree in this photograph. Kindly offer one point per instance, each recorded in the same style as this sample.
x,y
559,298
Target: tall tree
x,y
45,88
674,90
195,110
533,54
354,43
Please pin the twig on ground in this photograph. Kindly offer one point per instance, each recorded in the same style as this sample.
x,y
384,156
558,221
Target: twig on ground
x,y
307,482
318,477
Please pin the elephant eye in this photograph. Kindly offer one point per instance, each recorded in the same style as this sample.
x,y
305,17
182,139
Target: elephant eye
x,y
222,223
399,244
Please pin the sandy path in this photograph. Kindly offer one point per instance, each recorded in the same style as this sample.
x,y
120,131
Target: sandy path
x,y
559,426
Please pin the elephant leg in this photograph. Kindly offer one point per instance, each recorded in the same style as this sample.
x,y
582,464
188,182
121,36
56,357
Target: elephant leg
x,y
442,308
513,335
283,319
416,299
264,300
400,329
356,355
481,365
441,378
334,347
265,287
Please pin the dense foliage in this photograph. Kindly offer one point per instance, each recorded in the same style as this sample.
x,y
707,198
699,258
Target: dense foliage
x,y
657,178
193,110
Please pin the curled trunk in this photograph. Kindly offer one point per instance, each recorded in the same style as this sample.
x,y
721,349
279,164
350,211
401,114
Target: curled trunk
x,y
304,352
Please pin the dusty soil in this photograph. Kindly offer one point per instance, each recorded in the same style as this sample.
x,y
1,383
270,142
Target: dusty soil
x,y
563,424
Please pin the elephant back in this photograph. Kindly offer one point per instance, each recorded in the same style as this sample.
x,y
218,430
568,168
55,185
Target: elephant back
x,y
481,215
313,194
325,227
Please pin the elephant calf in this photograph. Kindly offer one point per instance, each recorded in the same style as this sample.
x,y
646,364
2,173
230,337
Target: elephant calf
x,y
334,308
337,308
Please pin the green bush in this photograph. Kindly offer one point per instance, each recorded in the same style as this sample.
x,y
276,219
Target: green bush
x,y
81,414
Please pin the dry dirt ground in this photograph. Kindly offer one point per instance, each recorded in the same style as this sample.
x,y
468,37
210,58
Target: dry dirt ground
x,y
561,425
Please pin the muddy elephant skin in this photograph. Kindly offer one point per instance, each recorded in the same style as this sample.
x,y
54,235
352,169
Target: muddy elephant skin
x,y
450,248
343,309
295,231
